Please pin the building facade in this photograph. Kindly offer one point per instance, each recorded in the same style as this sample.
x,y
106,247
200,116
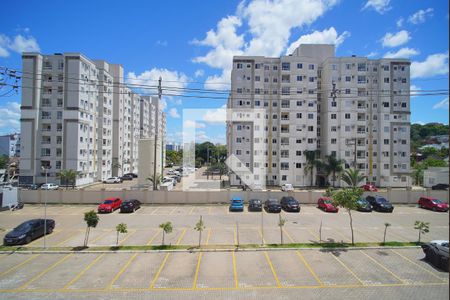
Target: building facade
x,y
10,145
77,114
353,108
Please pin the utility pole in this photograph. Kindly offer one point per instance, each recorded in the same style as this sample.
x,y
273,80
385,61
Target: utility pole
x,y
155,186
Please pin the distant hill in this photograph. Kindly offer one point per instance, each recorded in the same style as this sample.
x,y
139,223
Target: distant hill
x,y
420,134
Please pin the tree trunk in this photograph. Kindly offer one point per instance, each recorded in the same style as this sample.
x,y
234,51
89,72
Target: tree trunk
x,y
351,225
384,237
281,232
419,235
199,238
163,238
117,240
86,238
334,178
312,172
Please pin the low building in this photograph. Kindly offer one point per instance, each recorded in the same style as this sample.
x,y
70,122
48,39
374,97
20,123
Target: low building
x,y
10,145
435,175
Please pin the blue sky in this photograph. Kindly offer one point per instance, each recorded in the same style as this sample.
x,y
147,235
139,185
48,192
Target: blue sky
x,y
191,43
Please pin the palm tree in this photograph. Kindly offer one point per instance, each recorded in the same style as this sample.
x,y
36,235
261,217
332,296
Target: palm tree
x,y
166,228
386,225
120,228
333,165
311,163
200,226
156,181
352,177
422,227
281,223
68,177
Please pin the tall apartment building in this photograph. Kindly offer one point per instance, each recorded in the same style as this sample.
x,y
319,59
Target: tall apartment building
x,y
367,120
77,114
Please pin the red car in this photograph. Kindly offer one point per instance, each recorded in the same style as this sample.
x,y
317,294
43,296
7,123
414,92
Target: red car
x,y
433,204
109,205
369,187
326,204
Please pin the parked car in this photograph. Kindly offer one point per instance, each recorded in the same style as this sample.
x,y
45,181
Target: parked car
x,y
272,205
237,204
254,205
437,253
113,180
130,206
326,204
127,177
134,175
49,186
440,186
370,187
28,231
363,205
287,187
290,204
433,204
380,204
109,205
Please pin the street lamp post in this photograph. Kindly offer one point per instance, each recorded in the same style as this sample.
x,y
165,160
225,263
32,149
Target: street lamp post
x,y
45,207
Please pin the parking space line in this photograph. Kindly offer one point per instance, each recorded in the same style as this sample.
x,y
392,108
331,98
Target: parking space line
x,y
127,236
261,235
348,269
127,264
68,239
46,236
101,236
153,212
209,210
367,235
83,271
19,265
23,286
191,211
309,268
383,267
313,234
173,210
236,282
194,284
272,269
235,236
181,236
209,235
153,237
288,235
416,264
398,236
344,238
152,284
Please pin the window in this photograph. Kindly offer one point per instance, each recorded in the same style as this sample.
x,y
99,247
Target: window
x,y
59,102
333,141
298,153
386,166
310,141
386,79
59,115
298,165
285,66
311,79
386,141
285,90
310,104
239,66
361,79
311,67
275,68
238,152
347,91
310,116
333,128
257,78
361,67
45,151
299,103
257,66
299,66
298,141
284,166
348,78
333,116
347,116
347,128
238,140
46,115
333,103
299,78
310,128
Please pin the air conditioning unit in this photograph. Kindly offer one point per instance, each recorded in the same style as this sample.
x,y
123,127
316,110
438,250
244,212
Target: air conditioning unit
x,y
303,138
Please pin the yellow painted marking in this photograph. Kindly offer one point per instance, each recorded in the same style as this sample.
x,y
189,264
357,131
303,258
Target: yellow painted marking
x,y
23,286
19,265
236,282
366,235
235,235
181,236
288,235
68,239
416,264
159,271
209,210
383,267
130,260
173,210
153,212
46,237
260,234
309,268
153,237
209,235
398,236
83,271
127,237
191,211
272,269
313,234
194,284
101,236
344,238
348,269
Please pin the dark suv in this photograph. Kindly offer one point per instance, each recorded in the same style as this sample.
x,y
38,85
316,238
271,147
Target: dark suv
x,y
380,204
128,206
289,203
272,205
254,205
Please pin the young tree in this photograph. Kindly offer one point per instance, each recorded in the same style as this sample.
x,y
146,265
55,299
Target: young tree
x,y
352,177
166,229
68,177
422,227
311,163
91,218
347,198
333,165
386,225
281,223
200,226
156,181
120,228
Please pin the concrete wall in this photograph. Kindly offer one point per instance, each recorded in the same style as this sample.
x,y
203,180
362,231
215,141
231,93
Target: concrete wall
x,y
213,197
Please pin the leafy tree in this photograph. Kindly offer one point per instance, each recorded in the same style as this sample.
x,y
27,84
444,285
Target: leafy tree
x,y
200,226
155,181
352,177
418,174
281,223
332,165
329,192
312,162
422,227
166,229
433,162
68,177
174,157
91,218
120,228
386,225
222,168
4,160
347,198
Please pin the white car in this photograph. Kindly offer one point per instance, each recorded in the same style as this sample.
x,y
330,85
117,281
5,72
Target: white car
x,y
287,187
113,180
49,186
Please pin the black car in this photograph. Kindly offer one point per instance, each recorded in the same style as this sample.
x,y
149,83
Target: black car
x,y
134,175
28,231
272,205
289,203
380,204
440,186
128,206
254,205
127,177
363,205
436,252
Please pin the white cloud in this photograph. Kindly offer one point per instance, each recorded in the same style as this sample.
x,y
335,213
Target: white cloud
x,y
4,42
161,43
219,82
199,73
172,81
174,113
420,16
23,44
327,36
397,39
372,54
381,6
441,104
435,64
10,120
218,115
399,22
402,53
193,124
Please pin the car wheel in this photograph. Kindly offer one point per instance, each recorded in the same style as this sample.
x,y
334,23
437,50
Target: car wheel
x,y
434,208
134,209
50,230
28,239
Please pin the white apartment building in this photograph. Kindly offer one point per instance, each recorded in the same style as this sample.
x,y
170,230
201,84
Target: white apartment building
x,y
77,114
371,109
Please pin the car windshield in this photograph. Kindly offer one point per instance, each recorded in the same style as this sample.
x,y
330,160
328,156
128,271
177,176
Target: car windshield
x,y
381,200
292,200
23,226
437,201
237,200
255,201
108,202
273,201
362,201
327,201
